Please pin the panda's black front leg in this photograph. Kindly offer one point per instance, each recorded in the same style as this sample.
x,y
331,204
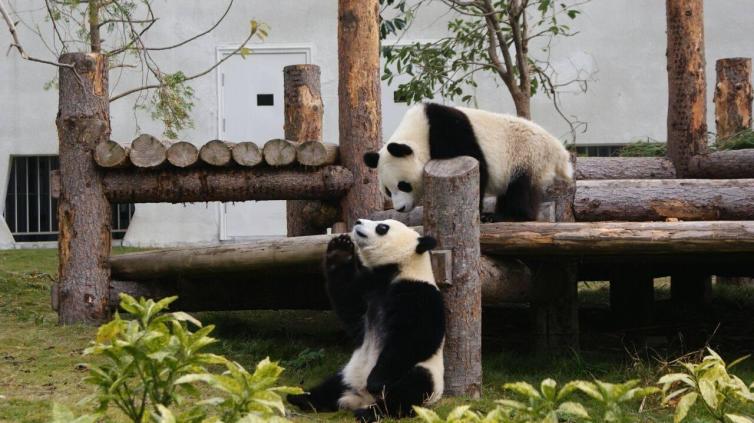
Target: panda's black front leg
x,y
344,285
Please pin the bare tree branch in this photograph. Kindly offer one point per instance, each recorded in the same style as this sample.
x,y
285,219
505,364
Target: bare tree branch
x,y
201,34
16,43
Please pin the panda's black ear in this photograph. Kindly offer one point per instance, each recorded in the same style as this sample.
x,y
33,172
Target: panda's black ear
x,y
425,244
399,150
371,159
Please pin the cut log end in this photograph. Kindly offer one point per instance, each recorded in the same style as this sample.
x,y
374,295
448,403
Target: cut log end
x,y
315,153
247,154
110,154
216,153
278,152
183,154
148,151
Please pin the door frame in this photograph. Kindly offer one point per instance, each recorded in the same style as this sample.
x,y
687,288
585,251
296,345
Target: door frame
x,y
220,51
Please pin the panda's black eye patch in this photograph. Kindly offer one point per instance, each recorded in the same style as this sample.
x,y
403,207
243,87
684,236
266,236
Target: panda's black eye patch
x,y
405,186
382,229
388,193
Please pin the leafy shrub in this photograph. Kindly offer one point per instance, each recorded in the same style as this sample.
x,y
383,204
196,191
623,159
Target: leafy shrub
x,y
550,405
722,394
738,141
646,148
153,362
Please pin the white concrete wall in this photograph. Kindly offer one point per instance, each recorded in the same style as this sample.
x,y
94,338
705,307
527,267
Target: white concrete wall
x,y
621,43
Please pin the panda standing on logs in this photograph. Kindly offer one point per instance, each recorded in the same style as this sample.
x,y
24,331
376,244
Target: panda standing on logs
x,y
384,291
518,159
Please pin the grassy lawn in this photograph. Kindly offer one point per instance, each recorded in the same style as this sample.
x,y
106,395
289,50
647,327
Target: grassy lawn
x,y
39,359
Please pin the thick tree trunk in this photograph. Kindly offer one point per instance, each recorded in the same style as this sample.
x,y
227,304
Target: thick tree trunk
x,y
110,154
537,239
247,154
624,168
647,200
183,154
723,164
216,153
733,96
359,106
225,184
83,210
303,122
451,196
687,102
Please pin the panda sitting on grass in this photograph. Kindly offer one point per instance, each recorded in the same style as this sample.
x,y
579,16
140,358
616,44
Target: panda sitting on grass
x,y
518,159
381,286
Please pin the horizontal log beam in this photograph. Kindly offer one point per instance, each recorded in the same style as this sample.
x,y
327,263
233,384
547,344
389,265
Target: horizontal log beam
x,y
624,168
538,239
660,199
723,164
641,200
225,184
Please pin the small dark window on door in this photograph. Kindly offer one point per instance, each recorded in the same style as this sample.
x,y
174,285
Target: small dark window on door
x,y
265,100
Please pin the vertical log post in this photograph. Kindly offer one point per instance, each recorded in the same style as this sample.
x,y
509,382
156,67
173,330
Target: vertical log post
x,y
687,103
83,210
733,98
632,295
359,102
451,215
554,299
303,122
687,95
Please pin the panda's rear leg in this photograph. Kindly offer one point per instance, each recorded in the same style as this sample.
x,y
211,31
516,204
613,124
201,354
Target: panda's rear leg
x,y
323,398
397,399
520,202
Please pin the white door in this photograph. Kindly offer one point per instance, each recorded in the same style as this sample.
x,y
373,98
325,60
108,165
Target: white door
x,y
251,109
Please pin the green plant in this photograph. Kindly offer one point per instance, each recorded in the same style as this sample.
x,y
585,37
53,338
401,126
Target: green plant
x,y
722,394
644,148
612,397
546,405
306,359
738,141
153,361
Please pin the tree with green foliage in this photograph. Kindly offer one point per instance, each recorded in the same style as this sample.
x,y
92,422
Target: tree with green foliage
x,y
117,29
485,36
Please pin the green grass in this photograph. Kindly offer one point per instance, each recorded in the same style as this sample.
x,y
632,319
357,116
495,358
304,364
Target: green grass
x,y
38,358
739,141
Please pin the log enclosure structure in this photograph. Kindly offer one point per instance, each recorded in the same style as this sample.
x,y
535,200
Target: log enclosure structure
x,y
328,186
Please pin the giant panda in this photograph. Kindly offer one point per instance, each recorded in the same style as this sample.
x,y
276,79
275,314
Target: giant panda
x,y
381,286
518,159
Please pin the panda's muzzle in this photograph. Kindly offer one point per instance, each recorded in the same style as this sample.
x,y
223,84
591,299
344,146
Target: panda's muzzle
x,y
361,234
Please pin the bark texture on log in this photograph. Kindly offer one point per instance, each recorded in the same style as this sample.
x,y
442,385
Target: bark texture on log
x,y
647,200
451,215
303,122
614,238
83,122
732,96
624,168
687,86
279,152
359,106
216,153
723,164
247,154
182,154
110,154
148,151
225,184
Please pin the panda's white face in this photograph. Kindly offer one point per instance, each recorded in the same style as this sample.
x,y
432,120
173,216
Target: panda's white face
x,y
391,242
400,175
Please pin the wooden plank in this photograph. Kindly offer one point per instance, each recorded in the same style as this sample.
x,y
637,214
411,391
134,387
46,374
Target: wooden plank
x,y
624,168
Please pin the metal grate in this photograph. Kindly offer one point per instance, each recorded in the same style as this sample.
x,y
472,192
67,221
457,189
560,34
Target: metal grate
x,y
30,210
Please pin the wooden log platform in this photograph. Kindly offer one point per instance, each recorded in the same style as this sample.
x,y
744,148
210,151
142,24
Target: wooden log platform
x,y
624,168
723,164
642,200
225,184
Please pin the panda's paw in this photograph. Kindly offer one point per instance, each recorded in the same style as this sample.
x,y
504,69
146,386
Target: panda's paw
x,y
301,401
340,252
366,415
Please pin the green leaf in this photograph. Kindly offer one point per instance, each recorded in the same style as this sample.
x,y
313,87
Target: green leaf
x,y
166,416
735,418
427,415
457,413
672,378
573,409
684,405
737,361
548,388
708,390
588,388
185,317
523,389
